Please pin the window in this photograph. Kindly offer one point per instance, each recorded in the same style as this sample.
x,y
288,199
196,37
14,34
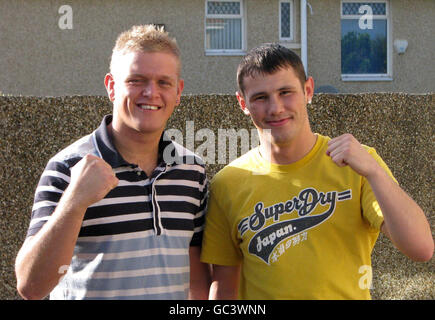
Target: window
x,y
285,20
365,41
224,27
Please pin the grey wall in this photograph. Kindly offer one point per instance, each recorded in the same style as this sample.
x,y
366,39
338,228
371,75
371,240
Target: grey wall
x,y
38,58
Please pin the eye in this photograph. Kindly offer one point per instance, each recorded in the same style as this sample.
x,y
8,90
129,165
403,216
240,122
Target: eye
x,y
133,81
259,98
165,83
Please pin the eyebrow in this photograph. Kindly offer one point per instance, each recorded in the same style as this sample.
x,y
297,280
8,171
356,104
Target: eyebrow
x,y
138,75
287,88
260,93
256,94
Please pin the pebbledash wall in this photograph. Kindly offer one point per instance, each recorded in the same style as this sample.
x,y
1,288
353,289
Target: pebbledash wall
x,y
399,126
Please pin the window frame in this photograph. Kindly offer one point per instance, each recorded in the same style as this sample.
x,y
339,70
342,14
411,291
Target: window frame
x,y
226,52
388,76
292,22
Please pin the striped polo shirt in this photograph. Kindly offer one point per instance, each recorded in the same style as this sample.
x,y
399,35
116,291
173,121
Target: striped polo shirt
x,y
134,243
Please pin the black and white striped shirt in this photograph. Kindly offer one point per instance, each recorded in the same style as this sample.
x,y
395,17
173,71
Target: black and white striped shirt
x,y
134,243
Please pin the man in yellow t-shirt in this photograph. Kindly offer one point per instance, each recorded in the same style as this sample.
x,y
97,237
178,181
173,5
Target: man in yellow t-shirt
x,y
298,216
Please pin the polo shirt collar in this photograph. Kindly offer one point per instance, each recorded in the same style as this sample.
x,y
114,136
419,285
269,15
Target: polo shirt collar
x,y
107,150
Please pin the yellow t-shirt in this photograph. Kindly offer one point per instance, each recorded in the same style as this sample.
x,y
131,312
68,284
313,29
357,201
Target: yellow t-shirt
x,y
300,231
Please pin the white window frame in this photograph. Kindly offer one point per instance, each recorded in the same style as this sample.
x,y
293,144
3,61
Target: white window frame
x,y
292,23
226,52
380,76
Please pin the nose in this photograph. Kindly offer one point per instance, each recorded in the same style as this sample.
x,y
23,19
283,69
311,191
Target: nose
x,y
276,105
150,90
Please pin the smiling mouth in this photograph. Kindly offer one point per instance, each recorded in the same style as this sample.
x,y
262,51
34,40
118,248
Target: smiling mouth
x,y
279,122
148,107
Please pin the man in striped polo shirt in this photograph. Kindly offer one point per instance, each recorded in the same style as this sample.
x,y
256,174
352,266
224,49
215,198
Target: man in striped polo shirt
x,y
119,213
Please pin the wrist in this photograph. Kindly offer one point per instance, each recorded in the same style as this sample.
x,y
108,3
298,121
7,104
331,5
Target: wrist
x,y
72,201
375,173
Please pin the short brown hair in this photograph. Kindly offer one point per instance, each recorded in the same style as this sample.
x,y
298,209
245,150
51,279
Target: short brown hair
x,y
145,38
267,59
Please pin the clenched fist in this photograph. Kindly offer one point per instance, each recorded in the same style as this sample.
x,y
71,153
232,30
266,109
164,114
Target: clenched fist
x,y
91,180
346,150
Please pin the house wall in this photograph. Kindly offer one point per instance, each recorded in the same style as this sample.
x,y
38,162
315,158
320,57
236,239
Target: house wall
x,y
38,58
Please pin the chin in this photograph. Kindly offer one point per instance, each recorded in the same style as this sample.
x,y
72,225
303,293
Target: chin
x,y
282,140
148,130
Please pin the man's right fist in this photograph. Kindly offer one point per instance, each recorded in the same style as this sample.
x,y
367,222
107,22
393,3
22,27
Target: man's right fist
x,y
91,180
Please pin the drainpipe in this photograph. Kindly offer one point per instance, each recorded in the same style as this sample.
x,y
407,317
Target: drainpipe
x,y
304,35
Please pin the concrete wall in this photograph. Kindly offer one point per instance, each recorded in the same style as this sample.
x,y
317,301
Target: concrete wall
x,y
40,59
399,126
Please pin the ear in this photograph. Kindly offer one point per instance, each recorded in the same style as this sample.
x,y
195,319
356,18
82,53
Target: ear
x,y
109,83
309,89
242,103
180,87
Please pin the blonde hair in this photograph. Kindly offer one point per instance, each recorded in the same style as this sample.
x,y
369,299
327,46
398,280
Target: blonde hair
x,y
145,38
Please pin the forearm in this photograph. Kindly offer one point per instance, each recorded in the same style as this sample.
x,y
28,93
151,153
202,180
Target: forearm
x,y
225,283
404,221
221,292
200,275
199,288
39,263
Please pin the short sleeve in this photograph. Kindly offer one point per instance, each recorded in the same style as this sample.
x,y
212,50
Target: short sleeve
x,y
218,245
199,219
52,183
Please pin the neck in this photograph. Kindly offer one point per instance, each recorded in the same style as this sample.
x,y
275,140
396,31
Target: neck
x,y
289,152
137,148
